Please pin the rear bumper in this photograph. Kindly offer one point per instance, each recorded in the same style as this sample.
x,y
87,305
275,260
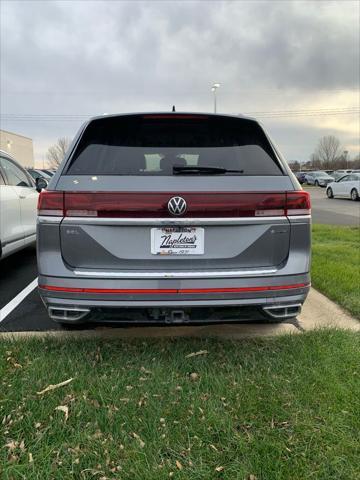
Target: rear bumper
x,y
250,294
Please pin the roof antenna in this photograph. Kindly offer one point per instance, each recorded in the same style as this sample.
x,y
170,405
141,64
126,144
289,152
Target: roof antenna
x,y
173,109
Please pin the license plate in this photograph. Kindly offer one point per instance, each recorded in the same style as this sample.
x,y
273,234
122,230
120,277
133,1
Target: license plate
x,y
177,241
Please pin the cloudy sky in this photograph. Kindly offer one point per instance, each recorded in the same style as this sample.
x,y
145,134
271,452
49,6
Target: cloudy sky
x,y
294,65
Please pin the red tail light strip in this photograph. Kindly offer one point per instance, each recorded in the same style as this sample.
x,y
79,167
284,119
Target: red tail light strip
x,y
154,204
156,291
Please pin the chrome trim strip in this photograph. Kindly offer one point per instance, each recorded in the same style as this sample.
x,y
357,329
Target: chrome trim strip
x,y
299,217
188,274
174,221
171,221
48,219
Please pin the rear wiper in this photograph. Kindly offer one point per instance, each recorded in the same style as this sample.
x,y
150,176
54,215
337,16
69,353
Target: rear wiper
x,y
203,170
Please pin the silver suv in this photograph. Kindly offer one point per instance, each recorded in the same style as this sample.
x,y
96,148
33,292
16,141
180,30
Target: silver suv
x,y
173,218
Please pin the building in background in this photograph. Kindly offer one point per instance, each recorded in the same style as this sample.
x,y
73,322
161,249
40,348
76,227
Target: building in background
x,y
20,147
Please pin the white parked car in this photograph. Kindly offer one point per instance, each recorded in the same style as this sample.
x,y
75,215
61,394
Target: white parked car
x,y
347,186
18,203
319,179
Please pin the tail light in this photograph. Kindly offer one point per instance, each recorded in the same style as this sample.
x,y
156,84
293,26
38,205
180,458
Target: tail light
x,y
51,203
154,205
298,203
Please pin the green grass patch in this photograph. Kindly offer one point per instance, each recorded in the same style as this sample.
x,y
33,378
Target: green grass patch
x,y
336,264
285,408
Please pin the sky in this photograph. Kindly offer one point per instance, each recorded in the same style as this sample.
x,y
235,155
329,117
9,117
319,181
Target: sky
x,y
294,65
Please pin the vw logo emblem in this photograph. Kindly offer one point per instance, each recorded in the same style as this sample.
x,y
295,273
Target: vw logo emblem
x,y
177,206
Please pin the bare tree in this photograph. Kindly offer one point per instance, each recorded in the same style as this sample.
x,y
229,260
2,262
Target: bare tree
x,y
328,150
295,166
56,152
356,161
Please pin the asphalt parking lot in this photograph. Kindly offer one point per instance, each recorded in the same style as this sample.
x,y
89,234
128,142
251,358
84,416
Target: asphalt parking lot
x,y
22,310
335,211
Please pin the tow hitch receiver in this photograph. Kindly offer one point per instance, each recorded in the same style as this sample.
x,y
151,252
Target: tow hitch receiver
x,y
170,316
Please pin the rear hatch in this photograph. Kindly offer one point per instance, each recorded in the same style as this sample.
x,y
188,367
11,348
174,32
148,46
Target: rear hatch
x,y
125,186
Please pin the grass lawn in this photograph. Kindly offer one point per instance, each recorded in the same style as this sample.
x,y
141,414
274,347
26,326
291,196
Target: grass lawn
x,y
282,408
336,265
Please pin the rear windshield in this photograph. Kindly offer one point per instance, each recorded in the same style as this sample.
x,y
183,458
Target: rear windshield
x,y
154,144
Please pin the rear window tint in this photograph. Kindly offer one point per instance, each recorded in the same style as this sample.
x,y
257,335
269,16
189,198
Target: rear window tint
x,y
153,145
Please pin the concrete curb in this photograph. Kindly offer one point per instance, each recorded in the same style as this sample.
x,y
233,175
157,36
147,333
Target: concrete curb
x,y
319,311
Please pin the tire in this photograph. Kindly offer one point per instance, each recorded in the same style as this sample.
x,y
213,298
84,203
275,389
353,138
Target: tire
x,y
316,183
354,195
330,193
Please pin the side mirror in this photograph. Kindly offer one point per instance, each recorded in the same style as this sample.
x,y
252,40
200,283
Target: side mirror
x,y
40,183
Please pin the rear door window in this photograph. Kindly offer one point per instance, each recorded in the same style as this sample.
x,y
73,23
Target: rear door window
x,y
154,144
15,176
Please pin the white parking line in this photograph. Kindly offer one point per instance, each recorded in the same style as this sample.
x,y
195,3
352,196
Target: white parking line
x,y
4,312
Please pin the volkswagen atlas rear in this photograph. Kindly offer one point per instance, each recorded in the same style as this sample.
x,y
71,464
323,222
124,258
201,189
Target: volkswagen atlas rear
x,y
173,218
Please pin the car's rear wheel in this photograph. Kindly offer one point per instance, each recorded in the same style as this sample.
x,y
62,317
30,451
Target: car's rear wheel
x,y
330,193
354,194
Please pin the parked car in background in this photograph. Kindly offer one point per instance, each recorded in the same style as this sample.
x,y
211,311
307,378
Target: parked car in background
x,y
343,171
319,179
173,218
18,201
347,186
337,175
37,173
300,176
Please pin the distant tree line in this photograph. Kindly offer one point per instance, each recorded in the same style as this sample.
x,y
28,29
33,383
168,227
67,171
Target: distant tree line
x,y
328,155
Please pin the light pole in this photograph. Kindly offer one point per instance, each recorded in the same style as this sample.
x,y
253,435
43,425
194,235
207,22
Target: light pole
x,y
213,89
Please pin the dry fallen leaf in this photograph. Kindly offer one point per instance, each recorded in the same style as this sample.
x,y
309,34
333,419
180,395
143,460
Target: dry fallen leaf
x,y
194,376
195,354
219,469
53,387
136,436
31,458
252,477
12,445
178,464
143,369
65,409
